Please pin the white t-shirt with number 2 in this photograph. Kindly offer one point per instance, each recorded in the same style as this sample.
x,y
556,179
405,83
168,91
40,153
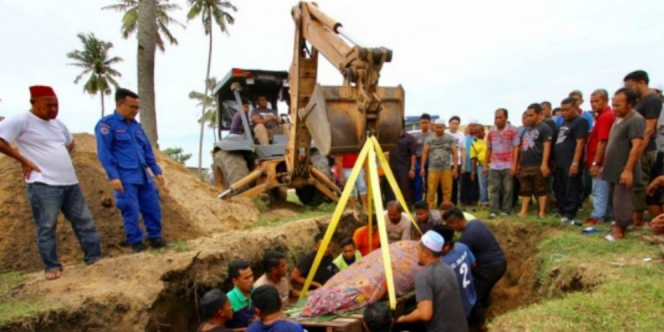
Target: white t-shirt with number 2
x,y
44,143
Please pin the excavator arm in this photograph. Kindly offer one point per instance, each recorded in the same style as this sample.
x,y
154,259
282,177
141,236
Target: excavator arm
x,y
338,119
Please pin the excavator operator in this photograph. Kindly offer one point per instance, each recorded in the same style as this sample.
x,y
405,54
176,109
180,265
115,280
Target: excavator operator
x,y
267,122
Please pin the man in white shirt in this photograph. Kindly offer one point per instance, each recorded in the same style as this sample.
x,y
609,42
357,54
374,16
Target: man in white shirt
x,y
453,130
44,144
397,223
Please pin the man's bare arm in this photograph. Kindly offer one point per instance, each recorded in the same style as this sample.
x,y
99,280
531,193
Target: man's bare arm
x,y
580,144
634,154
7,150
71,146
650,130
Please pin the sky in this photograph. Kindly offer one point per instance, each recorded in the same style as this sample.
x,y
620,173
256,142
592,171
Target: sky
x,y
463,58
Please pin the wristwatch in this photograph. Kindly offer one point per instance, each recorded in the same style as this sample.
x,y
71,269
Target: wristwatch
x,y
575,164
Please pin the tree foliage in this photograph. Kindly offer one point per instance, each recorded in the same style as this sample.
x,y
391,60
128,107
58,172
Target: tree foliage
x,y
177,154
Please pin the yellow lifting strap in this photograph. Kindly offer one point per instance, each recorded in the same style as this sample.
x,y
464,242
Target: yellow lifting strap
x,y
369,153
393,182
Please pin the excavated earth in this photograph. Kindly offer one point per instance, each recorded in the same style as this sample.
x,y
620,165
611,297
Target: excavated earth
x,y
189,206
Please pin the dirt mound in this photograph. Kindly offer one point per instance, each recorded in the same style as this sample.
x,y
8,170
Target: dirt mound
x,y
190,209
154,291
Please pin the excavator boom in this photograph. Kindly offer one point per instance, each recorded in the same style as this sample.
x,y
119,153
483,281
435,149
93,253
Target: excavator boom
x,y
337,118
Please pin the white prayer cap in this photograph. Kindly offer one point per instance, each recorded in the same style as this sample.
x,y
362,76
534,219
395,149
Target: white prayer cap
x,y
474,121
433,241
439,121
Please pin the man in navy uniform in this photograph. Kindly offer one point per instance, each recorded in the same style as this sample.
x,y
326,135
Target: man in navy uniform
x,y
125,153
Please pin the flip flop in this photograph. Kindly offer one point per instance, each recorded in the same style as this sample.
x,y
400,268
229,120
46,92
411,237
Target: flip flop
x,y
53,274
610,238
590,230
654,239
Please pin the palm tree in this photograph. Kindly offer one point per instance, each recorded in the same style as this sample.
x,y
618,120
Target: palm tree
x,y
130,20
95,60
208,103
147,45
209,10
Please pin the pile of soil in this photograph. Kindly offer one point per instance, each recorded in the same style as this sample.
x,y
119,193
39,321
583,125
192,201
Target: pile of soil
x,y
157,292
190,209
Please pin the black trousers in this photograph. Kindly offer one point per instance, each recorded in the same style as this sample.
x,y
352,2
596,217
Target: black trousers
x,y
569,191
470,190
485,277
455,188
405,185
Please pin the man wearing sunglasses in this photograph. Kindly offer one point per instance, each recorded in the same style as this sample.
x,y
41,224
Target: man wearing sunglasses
x,y
125,152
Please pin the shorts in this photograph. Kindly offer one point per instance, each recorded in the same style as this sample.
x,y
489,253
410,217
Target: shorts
x,y
532,182
360,184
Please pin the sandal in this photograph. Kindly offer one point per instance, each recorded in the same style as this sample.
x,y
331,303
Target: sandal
x,y
53,274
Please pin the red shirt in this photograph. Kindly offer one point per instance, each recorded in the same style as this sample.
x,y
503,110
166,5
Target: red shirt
x,y
600,132
362,240
348,160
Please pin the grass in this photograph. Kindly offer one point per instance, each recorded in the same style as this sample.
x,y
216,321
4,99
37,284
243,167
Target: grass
x,y
10,308
303,212
590,284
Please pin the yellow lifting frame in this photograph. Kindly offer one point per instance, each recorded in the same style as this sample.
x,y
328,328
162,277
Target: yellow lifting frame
x,y
368,155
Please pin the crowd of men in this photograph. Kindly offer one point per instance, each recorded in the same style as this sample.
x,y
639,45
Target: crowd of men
x,y
613,154
452,291
555,159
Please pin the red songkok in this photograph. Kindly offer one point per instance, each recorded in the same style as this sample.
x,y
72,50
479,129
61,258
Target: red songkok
x,y
37,91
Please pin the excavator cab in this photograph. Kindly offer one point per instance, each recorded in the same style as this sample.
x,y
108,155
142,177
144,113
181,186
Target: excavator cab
x,y
242,85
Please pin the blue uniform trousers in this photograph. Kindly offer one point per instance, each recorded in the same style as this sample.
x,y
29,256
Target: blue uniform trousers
x,y
141,198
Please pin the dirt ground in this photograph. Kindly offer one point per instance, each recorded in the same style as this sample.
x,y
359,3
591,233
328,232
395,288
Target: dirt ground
x,y
157,291
190,210
518,287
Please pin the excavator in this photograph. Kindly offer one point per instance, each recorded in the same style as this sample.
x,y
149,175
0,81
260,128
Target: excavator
x,y
324,120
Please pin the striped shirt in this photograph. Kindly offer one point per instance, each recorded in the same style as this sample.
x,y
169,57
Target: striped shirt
x,y
501,143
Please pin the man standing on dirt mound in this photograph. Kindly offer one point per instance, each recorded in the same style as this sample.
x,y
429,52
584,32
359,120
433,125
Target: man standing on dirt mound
x,y
125,152
44,145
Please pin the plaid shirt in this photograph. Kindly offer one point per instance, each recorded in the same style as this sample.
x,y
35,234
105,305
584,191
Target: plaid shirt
x,y
501,144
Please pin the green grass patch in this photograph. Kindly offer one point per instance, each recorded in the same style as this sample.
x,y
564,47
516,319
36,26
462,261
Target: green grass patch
x,y
591,284
181,246
11,308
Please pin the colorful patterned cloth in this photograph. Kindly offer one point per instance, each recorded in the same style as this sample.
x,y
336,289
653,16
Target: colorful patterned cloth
x,y
364,283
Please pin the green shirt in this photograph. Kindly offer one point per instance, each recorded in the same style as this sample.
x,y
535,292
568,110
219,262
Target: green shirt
x,y
340,262
440,151
238,300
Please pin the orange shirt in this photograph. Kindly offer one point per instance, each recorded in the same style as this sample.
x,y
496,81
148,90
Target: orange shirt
x,y
361,239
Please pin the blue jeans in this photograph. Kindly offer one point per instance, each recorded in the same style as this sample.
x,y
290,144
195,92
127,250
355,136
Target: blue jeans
x,y
600,194
141,198
360,183
46,202
484,185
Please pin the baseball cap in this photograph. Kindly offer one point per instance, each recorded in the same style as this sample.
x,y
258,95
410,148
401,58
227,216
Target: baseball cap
x,y
658,87
440,121
433,241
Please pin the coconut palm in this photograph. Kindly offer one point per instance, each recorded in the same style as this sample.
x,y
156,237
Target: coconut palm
x,y
147,45
95,60
208,103
209,11
130,20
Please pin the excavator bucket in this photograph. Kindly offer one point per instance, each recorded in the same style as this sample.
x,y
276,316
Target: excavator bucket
x,y
337,125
